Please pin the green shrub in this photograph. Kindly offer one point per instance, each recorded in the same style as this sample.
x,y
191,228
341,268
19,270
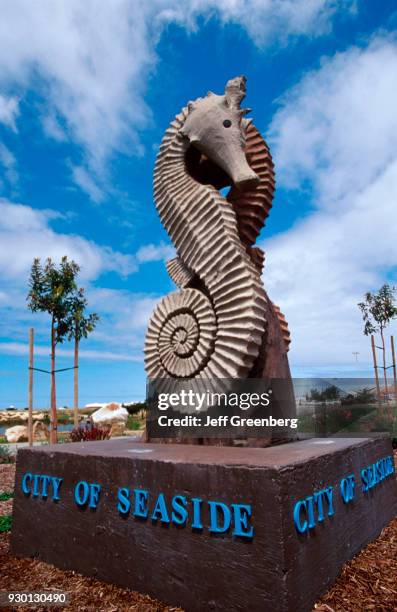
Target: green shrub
x,y
329,393
361,396
5,523
6,496
134,423
6,456
133,409
382,422
64,418
333,419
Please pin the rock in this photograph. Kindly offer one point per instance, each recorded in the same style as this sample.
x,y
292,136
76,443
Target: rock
x,y
40,416
110,414
18,433
40,432
117,429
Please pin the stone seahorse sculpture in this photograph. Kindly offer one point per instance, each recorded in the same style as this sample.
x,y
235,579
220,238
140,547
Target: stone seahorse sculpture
x,y
220,323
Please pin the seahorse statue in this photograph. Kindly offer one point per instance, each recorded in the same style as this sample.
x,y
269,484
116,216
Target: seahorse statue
x,y
220,323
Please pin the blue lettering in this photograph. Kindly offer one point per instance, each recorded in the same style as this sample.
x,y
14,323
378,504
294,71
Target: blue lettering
x,y
215,507
56,485
95,490
310,512
330,496
364,479
380,470
160,510
196,523
124,504
347,488
179,512
140,505
390,465
375,473
81,493
318,499
24,485
242,514
300,527
45,481
36,478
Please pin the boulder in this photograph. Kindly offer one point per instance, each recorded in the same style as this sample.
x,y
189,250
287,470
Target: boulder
x,y
40,432
18,433
110,414
117,429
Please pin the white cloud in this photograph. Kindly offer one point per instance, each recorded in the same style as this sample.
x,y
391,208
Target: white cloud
x,y
155,252
53,128
25,233
273,21
93,59
337,130
9,163
9,110
338,126
124,316
19,348
84,179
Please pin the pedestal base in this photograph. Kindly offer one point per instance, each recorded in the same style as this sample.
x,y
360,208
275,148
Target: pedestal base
x,y
205,527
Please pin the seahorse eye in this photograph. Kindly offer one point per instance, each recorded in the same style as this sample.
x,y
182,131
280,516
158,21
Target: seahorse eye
x,y
227,123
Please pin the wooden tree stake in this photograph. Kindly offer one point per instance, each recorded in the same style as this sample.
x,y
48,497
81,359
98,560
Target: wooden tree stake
x,y
76,383
394,366
376,371
30,398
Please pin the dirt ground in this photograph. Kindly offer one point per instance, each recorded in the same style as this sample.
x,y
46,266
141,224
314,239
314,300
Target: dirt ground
x,y
367,582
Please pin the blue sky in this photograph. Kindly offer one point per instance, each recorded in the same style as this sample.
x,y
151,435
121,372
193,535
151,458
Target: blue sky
x,y
86,92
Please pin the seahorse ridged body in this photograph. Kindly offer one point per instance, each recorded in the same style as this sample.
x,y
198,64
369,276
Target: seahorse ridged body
x,y
214,325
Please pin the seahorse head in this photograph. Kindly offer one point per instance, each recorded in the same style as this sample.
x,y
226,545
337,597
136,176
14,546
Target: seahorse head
x,y
216,127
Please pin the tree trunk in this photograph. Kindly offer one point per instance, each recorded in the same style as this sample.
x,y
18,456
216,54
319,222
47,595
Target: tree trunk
x,y
76,380
53,418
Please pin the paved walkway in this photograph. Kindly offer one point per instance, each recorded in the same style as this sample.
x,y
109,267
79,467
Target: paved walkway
x,y
14,447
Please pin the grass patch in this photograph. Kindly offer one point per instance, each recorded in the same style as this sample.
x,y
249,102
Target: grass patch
x,y
6,496
5,523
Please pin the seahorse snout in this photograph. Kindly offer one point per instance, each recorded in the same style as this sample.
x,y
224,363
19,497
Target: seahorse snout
x,y
246,180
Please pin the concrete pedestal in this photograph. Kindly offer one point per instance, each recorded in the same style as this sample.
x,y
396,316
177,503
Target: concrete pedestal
x,y
259,529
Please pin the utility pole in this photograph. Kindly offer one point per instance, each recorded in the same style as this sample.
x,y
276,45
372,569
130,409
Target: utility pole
x,y
30,393
356,354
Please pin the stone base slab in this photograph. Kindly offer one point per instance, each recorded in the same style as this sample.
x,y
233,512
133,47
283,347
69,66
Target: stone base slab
x,y
205,528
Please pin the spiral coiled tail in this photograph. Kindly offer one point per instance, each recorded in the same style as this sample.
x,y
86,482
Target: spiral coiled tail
x,y
181,335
